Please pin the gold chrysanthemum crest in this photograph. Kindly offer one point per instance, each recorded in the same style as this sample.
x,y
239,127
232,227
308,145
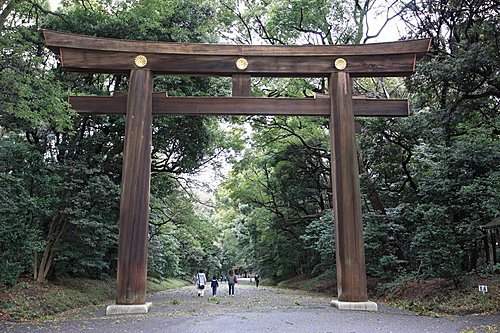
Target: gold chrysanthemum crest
x,y
340,64
140,61
241,64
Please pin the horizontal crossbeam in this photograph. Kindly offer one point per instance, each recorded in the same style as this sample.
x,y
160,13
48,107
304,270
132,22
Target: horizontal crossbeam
x,y
106,55
240,106
123,63
56,40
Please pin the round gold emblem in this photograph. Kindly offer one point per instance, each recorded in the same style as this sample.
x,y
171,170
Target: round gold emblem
x,y
140,61
340,64
241,64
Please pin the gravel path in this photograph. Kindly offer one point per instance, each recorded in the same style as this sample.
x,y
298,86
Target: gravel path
x,y
263,309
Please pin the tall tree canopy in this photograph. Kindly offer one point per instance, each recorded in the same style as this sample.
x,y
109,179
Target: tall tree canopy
x,y
62,171
428,181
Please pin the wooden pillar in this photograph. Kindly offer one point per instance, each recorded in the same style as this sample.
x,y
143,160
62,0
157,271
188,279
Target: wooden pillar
x,y
241,85
351,272
134,205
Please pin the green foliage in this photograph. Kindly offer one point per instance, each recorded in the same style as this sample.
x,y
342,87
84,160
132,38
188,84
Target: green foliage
x,y
433,244
180,21
273,193
63,170
31,96
428,181
436,170
214,300
93,219
384,243
155,285
181,236
29,301
291,22
319,238
25,189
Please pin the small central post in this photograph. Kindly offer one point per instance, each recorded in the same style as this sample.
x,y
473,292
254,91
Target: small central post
x,y
241,85
134,204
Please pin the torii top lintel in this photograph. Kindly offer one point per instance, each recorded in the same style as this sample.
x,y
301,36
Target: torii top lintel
x,y
106,55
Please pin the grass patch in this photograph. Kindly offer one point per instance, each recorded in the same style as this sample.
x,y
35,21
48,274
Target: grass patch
x,y
321,284
434,297
213,299
155,285
481,329
267,282
440,297
29,300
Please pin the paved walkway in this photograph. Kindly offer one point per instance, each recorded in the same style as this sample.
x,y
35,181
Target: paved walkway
x,y
263,309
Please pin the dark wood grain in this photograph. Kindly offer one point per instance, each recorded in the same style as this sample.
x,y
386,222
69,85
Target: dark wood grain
x,y
221,65
134,204
351,272
241,85
56,40
197,106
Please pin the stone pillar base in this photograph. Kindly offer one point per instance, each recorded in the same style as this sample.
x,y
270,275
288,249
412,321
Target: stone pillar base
x,y
115,309
361,306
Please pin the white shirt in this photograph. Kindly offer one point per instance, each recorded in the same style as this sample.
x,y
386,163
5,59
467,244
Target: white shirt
x,y
201,279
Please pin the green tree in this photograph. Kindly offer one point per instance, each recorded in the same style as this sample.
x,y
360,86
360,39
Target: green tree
x,y
461,143
273,193
25,187
78,158
304,21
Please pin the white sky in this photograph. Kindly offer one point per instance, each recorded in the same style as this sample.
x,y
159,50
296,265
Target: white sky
x,y
54,4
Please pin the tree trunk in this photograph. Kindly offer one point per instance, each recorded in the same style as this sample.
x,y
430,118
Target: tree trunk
x,y
44,263
56,229
486,247
474,256
35,266
494,247
371,189
4,14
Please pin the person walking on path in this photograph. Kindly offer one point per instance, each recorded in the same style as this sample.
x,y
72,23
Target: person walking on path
x,y
201,281
231,281
257,279
214,285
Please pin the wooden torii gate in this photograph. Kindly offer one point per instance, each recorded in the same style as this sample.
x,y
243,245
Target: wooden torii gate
x,y
143,60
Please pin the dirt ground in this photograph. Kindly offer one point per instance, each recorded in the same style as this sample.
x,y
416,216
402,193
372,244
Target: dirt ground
x,y
251,309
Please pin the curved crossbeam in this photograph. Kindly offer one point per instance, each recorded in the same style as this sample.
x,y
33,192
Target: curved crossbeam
x,y
106,55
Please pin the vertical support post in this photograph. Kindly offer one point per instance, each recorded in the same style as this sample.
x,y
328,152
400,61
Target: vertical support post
x,y
351,272
241,85
134,205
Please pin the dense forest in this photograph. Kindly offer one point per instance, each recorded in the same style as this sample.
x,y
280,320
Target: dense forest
x,y
429,182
